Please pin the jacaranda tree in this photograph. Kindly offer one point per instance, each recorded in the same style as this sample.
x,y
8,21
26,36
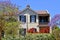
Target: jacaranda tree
x,y
7,10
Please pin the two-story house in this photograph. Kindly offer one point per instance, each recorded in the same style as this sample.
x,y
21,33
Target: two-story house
x,y
34,21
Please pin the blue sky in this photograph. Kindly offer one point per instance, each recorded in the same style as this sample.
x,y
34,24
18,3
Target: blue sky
x,y
53,6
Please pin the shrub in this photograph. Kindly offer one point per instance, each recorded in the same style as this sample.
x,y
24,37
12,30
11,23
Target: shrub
x,y
33,37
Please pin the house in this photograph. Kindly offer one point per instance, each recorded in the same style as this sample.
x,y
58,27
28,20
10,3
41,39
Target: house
x,y
34,21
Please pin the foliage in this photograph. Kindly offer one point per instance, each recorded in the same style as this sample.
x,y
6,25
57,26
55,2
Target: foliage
x,y
8,9
2,22
33,37
11,27
56,33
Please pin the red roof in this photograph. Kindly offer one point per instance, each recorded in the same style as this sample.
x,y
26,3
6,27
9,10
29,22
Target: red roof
x,y
42,12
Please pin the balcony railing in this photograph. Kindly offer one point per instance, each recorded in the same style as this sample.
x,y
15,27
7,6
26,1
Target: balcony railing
x,y
41,23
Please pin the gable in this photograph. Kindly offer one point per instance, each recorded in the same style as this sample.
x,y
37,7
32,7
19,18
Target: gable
x,y
29,11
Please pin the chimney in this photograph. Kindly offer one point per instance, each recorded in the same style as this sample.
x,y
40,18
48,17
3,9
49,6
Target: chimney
x,y
28,6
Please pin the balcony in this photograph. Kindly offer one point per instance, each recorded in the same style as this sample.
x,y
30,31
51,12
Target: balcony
x,y
43,20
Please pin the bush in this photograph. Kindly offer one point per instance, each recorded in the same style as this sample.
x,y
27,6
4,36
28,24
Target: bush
x,y
33,37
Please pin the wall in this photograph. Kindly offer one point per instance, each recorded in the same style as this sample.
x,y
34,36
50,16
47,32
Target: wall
x,y
29,25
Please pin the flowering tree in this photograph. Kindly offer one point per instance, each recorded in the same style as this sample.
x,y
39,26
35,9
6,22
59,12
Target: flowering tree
x,y
55,20
7,9
54,24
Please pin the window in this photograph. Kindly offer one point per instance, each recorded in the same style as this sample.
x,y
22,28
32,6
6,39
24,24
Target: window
x,y
22,18
33,18
43,19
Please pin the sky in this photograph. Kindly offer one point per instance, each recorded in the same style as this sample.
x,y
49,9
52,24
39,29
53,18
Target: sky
x,y
52,6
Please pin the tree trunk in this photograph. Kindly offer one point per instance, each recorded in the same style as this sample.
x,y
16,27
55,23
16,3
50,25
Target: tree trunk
x,y
0,34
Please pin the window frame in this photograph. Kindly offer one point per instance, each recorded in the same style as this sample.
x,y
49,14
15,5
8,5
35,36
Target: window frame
x,y
43,19
33,21
24,17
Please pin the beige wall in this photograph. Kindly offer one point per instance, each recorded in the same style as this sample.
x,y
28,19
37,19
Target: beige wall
x,y
28,24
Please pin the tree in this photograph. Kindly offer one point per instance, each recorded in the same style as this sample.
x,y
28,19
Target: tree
x,y
56,33
2,22
11,26
10,10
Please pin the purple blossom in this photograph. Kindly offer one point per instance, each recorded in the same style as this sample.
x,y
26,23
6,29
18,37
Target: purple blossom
x,y
54,20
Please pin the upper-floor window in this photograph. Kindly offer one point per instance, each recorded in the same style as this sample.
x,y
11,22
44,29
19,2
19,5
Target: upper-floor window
x,y
32,18
43,19
22,18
